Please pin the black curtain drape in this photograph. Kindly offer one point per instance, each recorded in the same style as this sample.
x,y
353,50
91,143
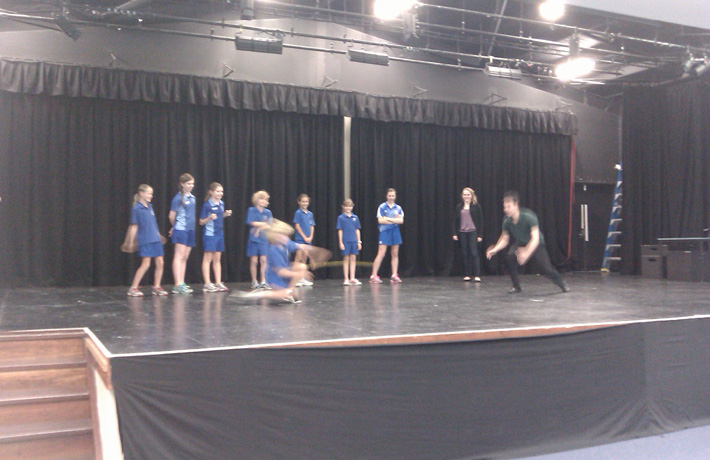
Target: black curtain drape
x,y
666,160
429,166
76,141
54,79
69,168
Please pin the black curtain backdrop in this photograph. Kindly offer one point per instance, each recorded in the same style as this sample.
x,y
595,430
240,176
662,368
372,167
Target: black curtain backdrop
x,y
429,165
54,79
70,167
666,160
75,142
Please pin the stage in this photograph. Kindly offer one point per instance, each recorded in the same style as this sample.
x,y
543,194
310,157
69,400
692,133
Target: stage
x,y
434,368
420,310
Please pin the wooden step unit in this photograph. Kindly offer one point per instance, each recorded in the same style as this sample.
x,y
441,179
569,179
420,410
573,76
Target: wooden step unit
x,y
45,401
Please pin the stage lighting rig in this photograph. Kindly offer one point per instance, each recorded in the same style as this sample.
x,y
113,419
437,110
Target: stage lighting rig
x,y
368,57
259,45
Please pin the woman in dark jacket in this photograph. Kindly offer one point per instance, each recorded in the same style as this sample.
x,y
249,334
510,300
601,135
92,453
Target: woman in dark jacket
x,y
468,231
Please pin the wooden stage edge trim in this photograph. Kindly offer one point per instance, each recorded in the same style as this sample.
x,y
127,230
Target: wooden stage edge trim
x,y
442,337
436,337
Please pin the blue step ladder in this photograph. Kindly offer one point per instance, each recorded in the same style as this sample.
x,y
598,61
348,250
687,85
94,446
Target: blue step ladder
x,y
612,251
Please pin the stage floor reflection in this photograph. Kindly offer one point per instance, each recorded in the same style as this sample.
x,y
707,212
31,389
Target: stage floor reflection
x,y
419,310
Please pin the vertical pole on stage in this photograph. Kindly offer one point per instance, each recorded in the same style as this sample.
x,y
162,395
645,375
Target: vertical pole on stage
x,y
347,124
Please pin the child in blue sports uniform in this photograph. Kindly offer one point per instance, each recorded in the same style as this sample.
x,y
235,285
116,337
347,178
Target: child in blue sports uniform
x,y
305,225
182,218
281,275
212,221
389,217
144,229
349,240
258,218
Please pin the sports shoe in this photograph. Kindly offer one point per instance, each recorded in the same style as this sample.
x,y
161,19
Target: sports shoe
x,y
374,279
564,287
221,287
346,283
305,282
255,285
514,290
477,279
395,279
158,290
209,287
134,293
291,299
299,284
355,282
182,289
467,278
265,285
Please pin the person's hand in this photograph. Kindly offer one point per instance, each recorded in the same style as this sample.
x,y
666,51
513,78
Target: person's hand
x,y
213,216
490,252
170,232
342,247
455,237
479,239
522,255
227,213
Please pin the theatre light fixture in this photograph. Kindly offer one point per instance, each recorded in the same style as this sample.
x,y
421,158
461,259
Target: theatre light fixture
x,y
259,45
701,68
552,10
368,57
575,66
391,9
504,72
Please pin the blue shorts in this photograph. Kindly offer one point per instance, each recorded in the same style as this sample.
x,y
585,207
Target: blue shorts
x,y
151,249
297,238
390,237
350,248
213,243
186,237
257,248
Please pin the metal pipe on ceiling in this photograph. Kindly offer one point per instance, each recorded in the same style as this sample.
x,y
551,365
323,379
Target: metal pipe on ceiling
x,y
557,25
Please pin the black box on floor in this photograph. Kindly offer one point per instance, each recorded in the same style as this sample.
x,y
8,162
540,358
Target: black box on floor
x,y
654,250
653,267
683,266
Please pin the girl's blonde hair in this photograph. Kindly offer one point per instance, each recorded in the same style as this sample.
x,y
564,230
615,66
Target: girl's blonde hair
x,y
474,199
141,189
276,229
182,180
213,187
259,195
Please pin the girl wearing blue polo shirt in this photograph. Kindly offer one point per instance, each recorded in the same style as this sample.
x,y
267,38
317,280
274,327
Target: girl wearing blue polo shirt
x,y
212,221
389,217
144,229
305,225
182,218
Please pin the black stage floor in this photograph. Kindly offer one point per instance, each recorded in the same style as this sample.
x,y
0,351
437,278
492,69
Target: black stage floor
x,y
419,310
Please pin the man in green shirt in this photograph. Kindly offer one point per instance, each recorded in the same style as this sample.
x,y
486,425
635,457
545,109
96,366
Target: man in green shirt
x,y
528,242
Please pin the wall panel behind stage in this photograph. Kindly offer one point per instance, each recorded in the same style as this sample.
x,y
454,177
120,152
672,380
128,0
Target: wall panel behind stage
x,y
69,168
429,165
